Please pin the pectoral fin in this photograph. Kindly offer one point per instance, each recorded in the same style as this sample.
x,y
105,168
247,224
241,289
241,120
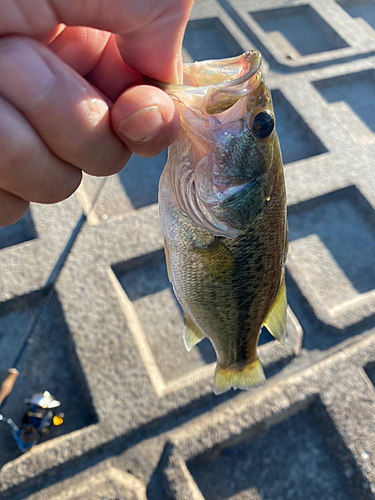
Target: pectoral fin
x,y
276,317
218,259
250,376
192,334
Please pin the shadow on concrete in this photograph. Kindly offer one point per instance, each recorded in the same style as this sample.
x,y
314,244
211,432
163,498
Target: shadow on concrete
x,y
141,177
347,88
49,363
297,140
302,457
344,221
19,232
302,27
209,39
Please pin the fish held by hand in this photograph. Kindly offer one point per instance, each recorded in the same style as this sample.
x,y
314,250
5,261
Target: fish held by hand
x,y
222,208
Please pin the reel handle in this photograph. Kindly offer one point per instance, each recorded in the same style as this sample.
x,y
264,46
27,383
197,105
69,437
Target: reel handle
x,y
8,383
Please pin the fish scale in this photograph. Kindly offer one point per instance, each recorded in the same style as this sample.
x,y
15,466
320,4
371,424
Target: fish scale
x,y
223,214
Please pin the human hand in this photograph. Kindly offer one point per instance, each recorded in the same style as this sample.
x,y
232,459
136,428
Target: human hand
x,y
71,95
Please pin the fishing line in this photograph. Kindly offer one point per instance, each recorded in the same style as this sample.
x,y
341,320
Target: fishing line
x,y
8,383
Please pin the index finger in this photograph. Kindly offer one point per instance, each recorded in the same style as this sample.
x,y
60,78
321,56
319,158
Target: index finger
x,y
150,32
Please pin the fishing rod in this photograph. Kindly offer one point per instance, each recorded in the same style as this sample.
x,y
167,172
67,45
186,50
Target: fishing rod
x,y
11,377
43,401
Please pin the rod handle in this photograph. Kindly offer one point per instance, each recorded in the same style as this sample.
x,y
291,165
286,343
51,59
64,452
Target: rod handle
x,y
8,383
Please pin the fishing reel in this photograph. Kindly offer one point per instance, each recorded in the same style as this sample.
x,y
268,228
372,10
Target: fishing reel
x,y
39,416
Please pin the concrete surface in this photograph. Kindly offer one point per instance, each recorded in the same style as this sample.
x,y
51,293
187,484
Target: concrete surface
x,y
141,420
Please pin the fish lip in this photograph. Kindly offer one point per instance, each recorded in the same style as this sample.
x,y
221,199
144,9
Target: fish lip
x,y
252,57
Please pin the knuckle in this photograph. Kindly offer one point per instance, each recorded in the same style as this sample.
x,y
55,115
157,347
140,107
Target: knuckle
x,y
28,169
28,77
9,45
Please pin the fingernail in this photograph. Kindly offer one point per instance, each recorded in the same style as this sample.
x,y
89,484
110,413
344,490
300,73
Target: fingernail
x,y
142,126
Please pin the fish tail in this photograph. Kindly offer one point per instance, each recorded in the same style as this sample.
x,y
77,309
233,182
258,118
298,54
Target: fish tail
x,y
249,376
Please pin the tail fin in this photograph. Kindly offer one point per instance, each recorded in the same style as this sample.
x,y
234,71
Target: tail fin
x,y
250,376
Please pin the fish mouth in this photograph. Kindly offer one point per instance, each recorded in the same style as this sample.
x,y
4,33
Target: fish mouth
x,y
216,85
222,73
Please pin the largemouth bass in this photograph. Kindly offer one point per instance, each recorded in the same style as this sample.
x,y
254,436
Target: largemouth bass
x,y
223,214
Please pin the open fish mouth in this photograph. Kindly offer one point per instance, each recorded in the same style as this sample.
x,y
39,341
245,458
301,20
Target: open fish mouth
x,y
213,108
215,85
219,72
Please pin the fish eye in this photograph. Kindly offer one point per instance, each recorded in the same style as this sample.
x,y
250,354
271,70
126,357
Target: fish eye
x,y
263,124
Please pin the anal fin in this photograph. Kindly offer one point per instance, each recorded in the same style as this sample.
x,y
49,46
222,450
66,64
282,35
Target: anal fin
x,y
192,334
276,317
250,376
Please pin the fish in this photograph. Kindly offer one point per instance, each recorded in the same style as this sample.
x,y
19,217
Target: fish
x,y
222,205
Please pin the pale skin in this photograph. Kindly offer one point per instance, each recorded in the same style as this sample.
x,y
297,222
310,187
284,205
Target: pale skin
x,y
71,94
